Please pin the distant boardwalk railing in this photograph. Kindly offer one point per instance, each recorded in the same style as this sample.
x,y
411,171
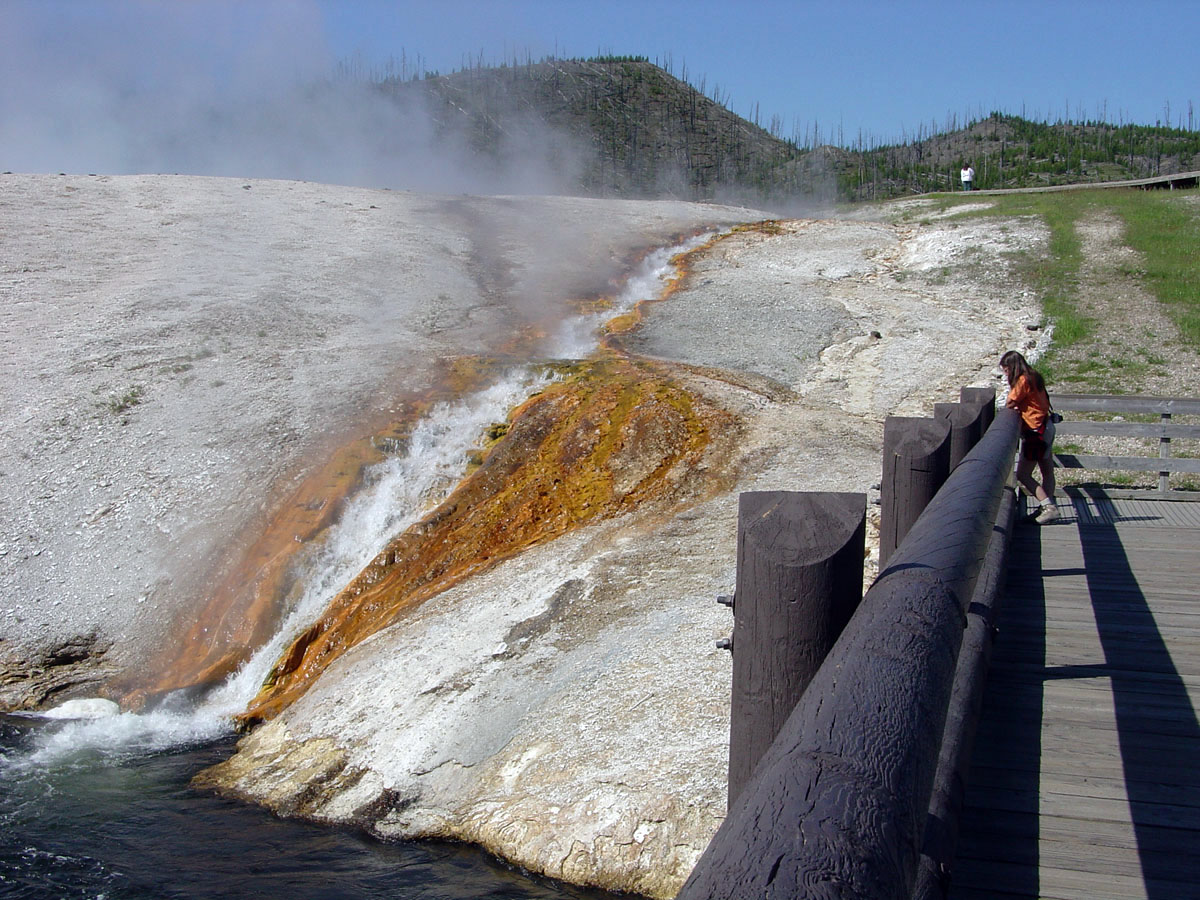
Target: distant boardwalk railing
x,y
1174,181
1164,431
860,780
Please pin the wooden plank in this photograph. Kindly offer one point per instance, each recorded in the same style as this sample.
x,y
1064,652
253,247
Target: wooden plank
x,y
1106,596
1073,707
1085,676
1086,775
1180,617
1172,496
1132,680
1179,406
1143,756
1101,533
1100,862
1065,738
1119,644
1098,768
1075,784
1027,675
1112,848
1169,590
1186,671
1066,883
1110,592
1072,843
1173,464
1082,807
1150,430
1151,566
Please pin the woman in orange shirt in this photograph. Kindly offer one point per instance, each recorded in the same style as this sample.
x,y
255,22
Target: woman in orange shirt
x,y
1027,395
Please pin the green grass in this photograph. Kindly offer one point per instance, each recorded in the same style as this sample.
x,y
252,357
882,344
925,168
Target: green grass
x,y
1167,235
1159,225
126,401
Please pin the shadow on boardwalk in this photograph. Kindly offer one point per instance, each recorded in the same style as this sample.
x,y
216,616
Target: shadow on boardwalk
x,y
1086,775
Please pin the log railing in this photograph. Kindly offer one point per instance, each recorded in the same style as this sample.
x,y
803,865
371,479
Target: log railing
x,y
856,793
1164,430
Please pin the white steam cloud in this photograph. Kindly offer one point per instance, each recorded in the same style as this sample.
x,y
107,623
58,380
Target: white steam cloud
x,y
235,89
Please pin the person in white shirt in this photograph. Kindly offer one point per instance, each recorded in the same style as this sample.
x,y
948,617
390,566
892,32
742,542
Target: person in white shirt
x,y
968,176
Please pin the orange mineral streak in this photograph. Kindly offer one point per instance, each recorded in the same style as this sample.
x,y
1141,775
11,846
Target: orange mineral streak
x,y
254,586
247,601
244,607
619,434
624,324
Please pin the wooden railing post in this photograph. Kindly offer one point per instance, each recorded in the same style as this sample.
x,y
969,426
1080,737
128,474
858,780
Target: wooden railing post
x,y
984,398
799,580
1164,452
966,427
837,806
916,462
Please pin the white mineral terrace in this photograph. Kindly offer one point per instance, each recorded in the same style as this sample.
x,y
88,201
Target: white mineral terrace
x,y
177,350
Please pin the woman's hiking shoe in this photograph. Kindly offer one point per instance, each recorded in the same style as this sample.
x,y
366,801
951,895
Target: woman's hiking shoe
x,y
1048,513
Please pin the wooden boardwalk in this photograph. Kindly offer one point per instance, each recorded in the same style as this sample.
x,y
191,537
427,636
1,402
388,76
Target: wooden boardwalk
x,y
1085,781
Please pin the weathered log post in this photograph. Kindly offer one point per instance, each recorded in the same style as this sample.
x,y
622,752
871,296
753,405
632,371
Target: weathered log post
x,y
837,806
985,399
966,428
799,580
962,718
916,462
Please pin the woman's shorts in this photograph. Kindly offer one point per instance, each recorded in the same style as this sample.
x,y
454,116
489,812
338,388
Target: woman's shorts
x,y
1036,446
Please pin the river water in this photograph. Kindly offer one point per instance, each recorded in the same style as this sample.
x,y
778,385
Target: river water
x,y
99,805
123,825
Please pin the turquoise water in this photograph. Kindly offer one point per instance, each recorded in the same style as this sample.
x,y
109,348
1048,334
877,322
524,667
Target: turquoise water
x,y
119,825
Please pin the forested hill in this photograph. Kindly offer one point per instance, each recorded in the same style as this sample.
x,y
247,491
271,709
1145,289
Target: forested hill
x,y
618,126
1012,152
624,126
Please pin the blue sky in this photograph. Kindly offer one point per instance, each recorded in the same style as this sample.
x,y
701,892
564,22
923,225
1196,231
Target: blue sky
x,y
120,85
880,67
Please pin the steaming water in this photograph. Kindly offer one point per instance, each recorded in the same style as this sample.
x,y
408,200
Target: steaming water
x,y
63,778
655,273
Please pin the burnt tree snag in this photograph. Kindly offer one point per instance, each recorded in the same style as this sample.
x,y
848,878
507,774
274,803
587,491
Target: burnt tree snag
x,y
916,461
799,580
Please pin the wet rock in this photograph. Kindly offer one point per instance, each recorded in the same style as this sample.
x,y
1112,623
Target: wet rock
x,y
66,669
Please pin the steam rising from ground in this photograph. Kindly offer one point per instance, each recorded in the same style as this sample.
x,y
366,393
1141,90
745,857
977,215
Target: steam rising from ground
x,y
397,493
224,88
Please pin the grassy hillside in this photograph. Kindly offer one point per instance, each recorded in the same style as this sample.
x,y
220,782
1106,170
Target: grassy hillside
x,y
1120,284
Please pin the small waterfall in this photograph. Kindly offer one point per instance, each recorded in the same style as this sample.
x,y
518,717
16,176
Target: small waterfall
x,y
397,493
